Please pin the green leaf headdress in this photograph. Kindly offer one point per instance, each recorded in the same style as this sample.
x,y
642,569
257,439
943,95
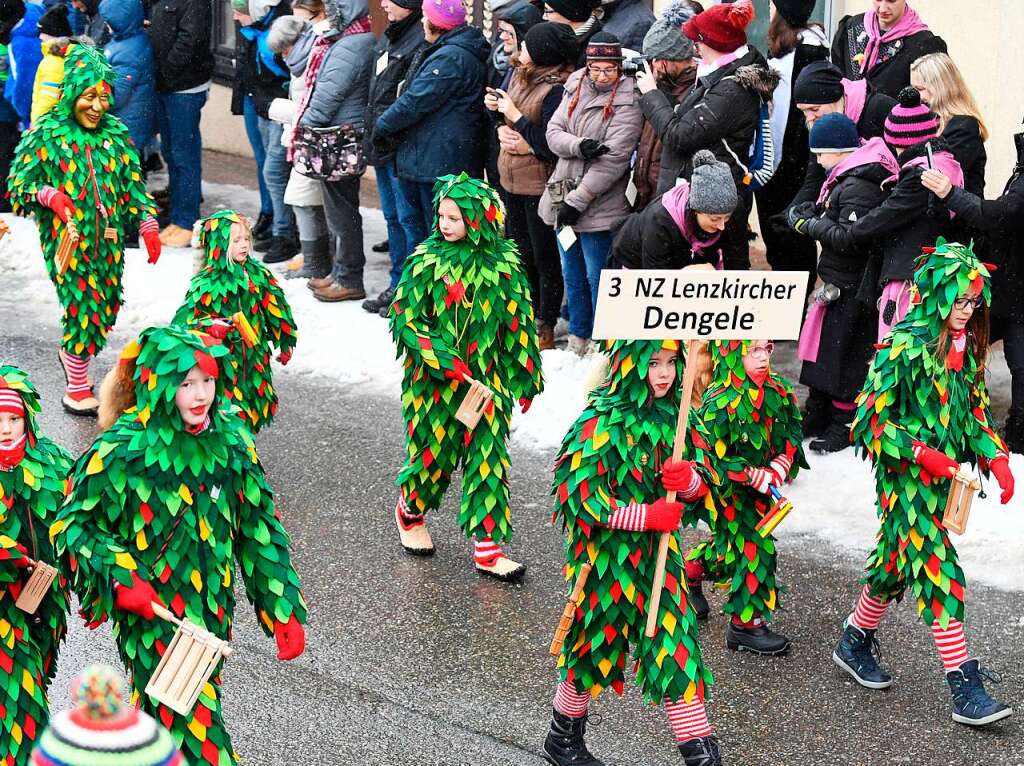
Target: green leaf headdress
x,y
84,66
215,239
626,378
943,274
479,204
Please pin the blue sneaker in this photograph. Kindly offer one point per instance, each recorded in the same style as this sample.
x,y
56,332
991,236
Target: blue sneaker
x,y
856,654
971,703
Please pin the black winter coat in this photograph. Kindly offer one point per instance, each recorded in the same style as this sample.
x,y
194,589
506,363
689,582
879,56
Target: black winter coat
x,y
253,78
963,136
400,41
1003,219
650,239
180,32
892,72
720,113
628,20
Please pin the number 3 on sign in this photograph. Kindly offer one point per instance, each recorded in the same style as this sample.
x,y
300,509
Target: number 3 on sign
x,y
616,287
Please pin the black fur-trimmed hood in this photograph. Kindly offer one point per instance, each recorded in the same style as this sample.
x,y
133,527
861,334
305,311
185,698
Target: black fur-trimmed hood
x,y
759,78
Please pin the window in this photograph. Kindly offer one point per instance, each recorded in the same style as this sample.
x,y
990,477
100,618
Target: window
x,y
223,40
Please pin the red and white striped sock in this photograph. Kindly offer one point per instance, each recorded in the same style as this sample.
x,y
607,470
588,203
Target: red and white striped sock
x,y
688,720
569,703
408,520
77,368
951,644
869,612
486,551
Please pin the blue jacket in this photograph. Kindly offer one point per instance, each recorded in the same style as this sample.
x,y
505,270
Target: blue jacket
x,y
131,55
439,123
25,53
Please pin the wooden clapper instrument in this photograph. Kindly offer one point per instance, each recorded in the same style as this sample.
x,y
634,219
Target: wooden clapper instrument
x,y
962,487
66,247
36,587
187,664
474,404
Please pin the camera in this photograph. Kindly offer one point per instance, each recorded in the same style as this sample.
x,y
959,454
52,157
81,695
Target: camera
x,y
631,66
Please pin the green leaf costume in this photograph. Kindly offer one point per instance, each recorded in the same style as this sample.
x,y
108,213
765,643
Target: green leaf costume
x,y
224,287
30,494
749,426
912,395
468,300
99,170
610,457
179,509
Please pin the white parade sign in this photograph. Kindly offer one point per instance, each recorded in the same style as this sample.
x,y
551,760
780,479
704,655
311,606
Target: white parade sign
x,y
697,304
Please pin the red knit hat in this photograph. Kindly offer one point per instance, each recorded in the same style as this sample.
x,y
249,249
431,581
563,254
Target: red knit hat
x,y
722,27
11,403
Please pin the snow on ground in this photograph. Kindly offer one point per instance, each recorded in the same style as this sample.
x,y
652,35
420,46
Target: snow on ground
x,y
346,345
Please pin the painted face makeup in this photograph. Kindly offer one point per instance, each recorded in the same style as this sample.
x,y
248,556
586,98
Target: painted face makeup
x,y
92,104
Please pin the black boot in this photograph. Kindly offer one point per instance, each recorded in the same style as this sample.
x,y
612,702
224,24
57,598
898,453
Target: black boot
x,y
1013,432
816,414
971,703
837,435
281,249
856,653
381,247
695,595
316,260
564,745
261,230
382,301
759,640
701,751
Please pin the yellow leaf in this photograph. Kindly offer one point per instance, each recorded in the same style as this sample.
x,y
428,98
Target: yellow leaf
x,y
605,666
600,439
140,540
916,539
719,448
95,464
186,495
197,581
125,561
669,621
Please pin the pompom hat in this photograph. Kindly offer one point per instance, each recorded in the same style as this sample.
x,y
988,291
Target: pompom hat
x,y
722,27
910,122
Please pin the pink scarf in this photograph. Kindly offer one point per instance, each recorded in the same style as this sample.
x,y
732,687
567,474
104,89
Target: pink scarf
x,y
674,201
873,151
855,95
909,24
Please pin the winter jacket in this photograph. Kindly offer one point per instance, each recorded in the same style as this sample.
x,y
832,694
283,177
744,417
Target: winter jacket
x,y
904,223
720,113
130,53
526,174
599,191
7,113
438,122
647,167
343,82
1003,220
300,190
892,72
180,33
25,54
94,24
629,21
962,135
260,74
400,43
49,76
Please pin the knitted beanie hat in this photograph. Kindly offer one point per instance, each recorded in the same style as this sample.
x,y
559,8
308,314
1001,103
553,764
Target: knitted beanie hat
x,y
796,12
550,44
55,22
604,46
101,730
818,83
665,39
444,14
712,187
722,27
910,122
574,10
834,133
11,403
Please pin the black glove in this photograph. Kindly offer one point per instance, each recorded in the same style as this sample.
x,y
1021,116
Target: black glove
x,y
779,223
382,144
816,228
567,215
800,215
590,149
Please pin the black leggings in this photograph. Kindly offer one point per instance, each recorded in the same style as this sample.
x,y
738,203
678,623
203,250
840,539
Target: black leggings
x,y
1013,348
539,251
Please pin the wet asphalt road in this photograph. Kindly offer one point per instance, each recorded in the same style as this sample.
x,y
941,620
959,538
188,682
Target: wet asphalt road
x,y
412,661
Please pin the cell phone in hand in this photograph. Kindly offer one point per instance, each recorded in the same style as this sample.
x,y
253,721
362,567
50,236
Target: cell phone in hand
x,y
931,158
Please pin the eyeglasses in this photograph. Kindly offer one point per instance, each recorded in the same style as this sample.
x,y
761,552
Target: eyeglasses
x,y
762,353
608,72
961,304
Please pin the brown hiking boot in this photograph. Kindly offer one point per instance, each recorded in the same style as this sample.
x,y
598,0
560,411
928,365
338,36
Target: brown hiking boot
x,y
545,336
334,293
319,283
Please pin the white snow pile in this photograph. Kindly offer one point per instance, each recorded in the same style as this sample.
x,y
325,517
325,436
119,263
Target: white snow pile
x,y
351,348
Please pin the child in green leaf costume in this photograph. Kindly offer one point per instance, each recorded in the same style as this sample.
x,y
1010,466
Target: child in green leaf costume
x,y
232,282
462,311
611,475
923,412
76,169
754,425
161,508
33,473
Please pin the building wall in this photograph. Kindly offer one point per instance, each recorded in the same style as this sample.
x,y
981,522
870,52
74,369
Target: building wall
x,y
223,131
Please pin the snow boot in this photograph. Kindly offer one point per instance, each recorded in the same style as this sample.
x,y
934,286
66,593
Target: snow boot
x,y
261,229
971,703
381,247
836,436
756,640
816,414
695,595
545,336
701,751
1013,431
564,745
382,301
281,249
856,653
316,257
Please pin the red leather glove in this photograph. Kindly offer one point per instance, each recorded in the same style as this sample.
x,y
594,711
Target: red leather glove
x,y
663,516
291,639
459,371
524,403
153,247
937,464
285,356
1001,470
677,475
59,202
137,599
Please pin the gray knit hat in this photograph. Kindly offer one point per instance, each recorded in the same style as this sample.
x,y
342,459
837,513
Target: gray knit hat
x,y
712,188
665,39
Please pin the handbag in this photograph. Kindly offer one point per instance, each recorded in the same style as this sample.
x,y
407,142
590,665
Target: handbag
x,y
329,154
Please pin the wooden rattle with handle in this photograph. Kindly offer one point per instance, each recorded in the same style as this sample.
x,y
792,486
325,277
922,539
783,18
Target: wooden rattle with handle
x,y
565,622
